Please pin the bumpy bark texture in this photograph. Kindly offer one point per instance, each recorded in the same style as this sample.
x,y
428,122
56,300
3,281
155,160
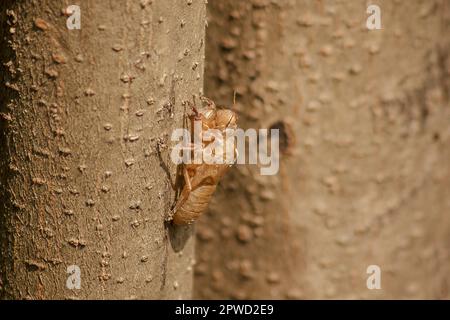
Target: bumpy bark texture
x,y
365,175
86,120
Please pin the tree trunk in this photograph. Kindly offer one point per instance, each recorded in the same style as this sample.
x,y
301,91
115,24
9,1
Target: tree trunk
x,y
364,125
86,119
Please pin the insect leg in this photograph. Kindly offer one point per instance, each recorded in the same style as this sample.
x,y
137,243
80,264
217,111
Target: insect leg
x,y
187,179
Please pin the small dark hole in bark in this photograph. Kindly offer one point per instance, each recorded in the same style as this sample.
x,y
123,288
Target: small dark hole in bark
x,y
436,137
286,135
32,268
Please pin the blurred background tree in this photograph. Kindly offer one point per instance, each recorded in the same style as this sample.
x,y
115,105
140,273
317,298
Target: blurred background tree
x,y
365,176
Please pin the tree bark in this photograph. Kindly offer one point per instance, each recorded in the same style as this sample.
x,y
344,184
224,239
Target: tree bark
x,y
86,119
364,177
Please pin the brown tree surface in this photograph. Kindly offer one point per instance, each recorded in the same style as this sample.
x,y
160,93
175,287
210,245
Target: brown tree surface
x,y
86,118
364,178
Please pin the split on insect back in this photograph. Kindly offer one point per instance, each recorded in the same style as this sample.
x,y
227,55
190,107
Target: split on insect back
x,y
206,157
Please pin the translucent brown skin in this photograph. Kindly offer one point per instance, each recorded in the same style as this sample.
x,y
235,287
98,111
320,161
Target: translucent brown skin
x,y
201,179
192,203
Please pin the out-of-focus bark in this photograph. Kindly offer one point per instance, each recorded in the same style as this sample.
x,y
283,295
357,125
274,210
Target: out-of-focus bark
x,y
365,175
86,119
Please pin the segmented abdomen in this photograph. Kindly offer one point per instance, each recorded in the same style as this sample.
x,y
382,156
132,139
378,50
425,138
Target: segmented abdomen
x,y
196,203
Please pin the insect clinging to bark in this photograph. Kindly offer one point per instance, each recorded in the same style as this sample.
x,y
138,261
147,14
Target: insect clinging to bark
x,y
201,179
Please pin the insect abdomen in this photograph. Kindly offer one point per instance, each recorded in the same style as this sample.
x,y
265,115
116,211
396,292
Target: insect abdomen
x,y
195,205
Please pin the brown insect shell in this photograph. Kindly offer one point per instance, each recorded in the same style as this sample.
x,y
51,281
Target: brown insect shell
x,y
226,118
207,115
193,203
